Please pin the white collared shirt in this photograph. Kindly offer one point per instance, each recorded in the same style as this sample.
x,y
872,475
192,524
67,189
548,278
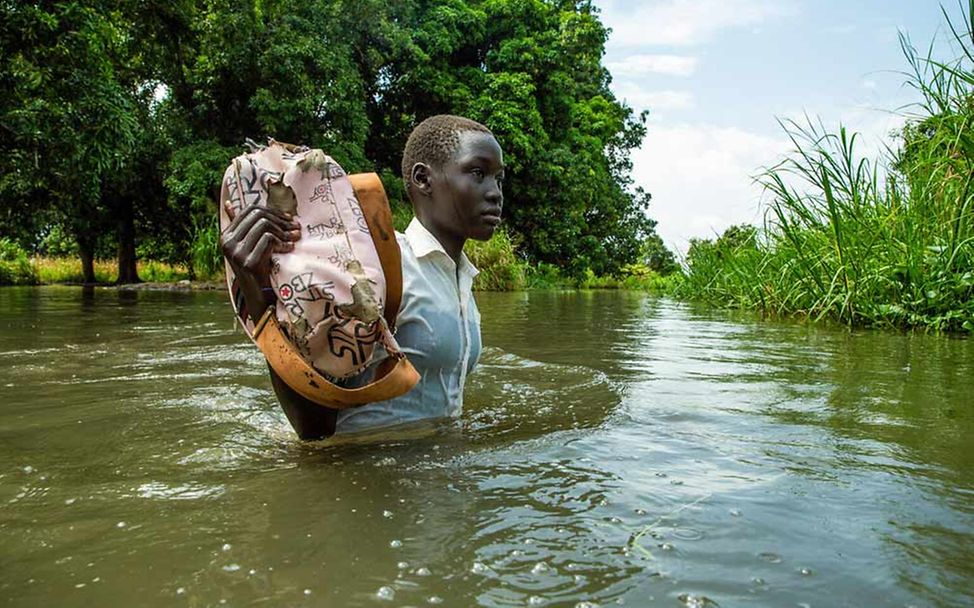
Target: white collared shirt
x,y
438,328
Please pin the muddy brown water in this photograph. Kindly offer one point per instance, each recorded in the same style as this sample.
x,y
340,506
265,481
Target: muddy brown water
x,y
615,449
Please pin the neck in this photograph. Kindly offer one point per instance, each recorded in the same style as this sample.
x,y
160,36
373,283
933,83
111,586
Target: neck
x,y
452,244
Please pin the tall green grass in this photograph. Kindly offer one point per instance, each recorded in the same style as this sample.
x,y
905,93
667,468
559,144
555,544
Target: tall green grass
x,y
888,241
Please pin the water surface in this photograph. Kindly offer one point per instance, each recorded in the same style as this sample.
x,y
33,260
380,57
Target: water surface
x,y
615,449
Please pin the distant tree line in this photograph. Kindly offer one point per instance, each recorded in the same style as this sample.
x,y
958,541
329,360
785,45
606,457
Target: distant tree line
x,y
118,117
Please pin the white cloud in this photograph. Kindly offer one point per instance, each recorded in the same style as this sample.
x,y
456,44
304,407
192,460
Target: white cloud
x,y
684,22
701,177
641,65
640,99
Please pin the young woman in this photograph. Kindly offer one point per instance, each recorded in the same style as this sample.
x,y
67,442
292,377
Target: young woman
x,y
453,169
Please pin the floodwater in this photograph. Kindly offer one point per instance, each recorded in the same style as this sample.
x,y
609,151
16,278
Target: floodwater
x,y
615,449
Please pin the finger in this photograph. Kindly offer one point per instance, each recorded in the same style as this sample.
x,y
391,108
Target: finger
x,y
250,217
262,227
259,257
288,245
228,208
255,210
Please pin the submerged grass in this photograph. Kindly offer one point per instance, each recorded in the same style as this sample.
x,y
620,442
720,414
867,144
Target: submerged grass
x,y
884,242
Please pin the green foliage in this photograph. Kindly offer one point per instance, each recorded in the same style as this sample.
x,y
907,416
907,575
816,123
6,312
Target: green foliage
x,y
532,72
15,266
57,243
857,241
548,276
844,245
500,268
120,117
657,257
68,121
205,250
68,270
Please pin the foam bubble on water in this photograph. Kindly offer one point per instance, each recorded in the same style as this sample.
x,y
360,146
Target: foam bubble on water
x,y
227,546
402,565
180,590
805,571
121,524
586,604
666,546
387,514
479,568
535,600
307,591
735,512
434,599
771,558
395,544
386,593
696,601
70,501
231,567
28,469
422,572
540,568
79,585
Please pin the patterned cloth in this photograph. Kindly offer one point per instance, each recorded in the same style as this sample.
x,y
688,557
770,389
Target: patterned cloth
x,y
439,330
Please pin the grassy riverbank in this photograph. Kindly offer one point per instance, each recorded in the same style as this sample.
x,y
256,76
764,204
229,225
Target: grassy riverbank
x,y
500,270
884,242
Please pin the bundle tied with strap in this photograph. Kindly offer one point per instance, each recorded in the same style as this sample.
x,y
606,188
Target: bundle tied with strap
x,y
339,289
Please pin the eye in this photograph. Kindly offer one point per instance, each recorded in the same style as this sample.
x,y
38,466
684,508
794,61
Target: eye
x,y
477,172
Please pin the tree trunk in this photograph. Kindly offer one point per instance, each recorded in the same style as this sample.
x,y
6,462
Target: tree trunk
x,y
127,270
86,251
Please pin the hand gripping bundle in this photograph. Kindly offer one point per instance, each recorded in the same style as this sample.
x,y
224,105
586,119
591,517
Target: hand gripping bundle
x,y
339,289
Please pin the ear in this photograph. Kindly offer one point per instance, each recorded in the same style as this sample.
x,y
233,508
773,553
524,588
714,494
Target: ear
x,y
421,178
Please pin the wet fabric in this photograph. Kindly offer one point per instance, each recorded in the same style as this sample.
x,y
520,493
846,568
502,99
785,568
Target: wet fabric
x,y
439,330
331,288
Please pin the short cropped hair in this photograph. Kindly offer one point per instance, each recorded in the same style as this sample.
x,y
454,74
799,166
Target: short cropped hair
x,y
434,141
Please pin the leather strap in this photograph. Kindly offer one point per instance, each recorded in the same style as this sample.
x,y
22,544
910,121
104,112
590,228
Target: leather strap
x,y
375,206
394,376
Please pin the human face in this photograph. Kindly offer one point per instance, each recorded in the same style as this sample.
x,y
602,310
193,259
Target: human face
x,y
467,195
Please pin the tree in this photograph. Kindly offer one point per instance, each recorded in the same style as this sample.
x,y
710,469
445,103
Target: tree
x,y
67,121
531,71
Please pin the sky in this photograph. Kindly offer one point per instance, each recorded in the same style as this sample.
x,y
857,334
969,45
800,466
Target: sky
x,y
717,75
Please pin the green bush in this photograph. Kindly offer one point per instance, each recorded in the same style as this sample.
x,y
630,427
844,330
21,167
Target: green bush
x,y
500,268
16,267
205,250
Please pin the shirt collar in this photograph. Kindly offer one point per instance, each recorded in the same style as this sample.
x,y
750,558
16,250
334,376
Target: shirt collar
x,y
423,243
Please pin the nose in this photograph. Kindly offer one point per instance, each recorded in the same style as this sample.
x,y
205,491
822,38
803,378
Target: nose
x,y
494,194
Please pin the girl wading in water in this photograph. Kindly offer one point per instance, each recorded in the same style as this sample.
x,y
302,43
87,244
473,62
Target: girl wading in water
x,y
453,169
